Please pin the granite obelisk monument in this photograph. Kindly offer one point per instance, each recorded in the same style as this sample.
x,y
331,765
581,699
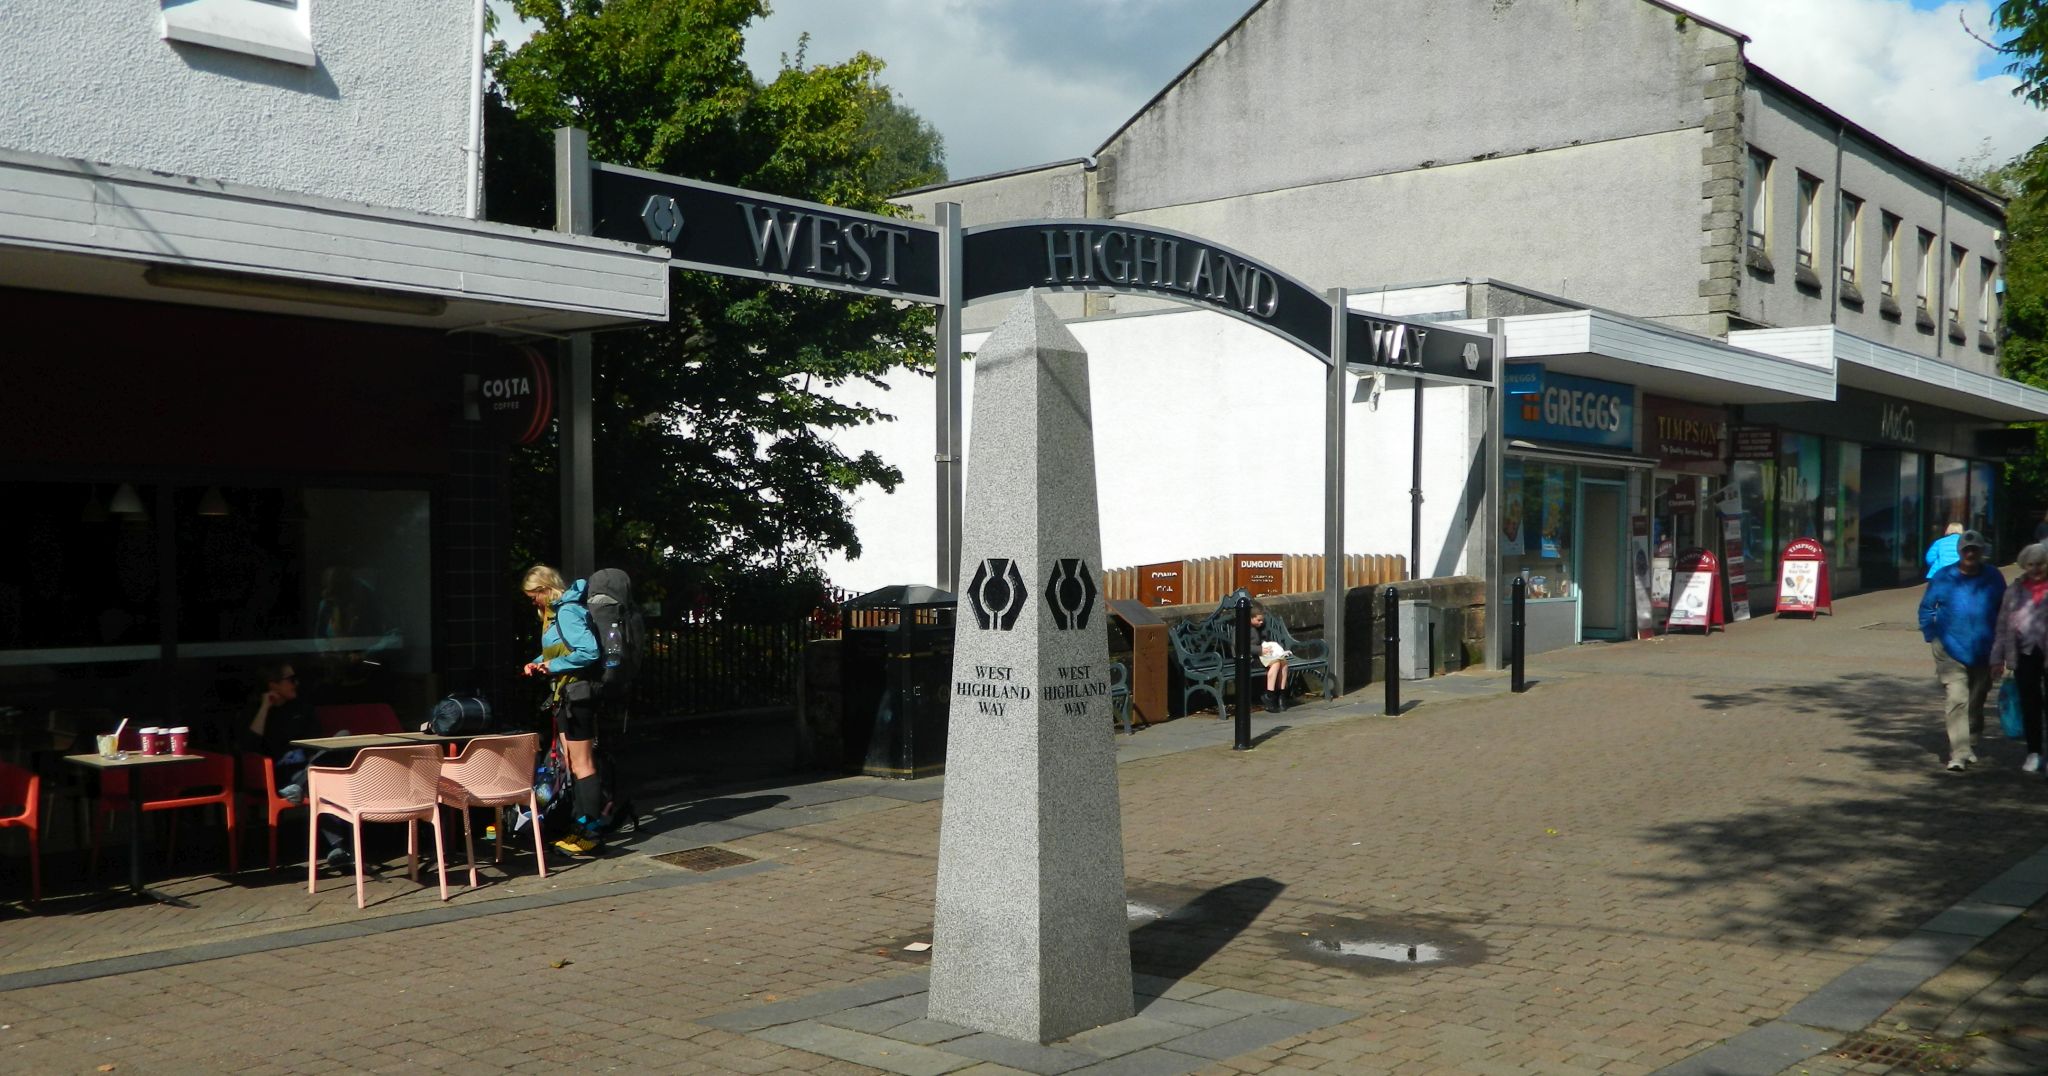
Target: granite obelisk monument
x,y
1029,935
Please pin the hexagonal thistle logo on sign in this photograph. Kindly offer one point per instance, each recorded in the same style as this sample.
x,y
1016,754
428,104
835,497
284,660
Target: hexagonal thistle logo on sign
x,y
1070,594
663,218
997,594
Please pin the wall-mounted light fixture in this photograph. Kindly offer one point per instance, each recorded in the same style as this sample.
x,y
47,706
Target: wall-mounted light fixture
x,y
211,503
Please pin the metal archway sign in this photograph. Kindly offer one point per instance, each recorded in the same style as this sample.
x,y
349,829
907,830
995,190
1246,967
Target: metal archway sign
x,y
712,228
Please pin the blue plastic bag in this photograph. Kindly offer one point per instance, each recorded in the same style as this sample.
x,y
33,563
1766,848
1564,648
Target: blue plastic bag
x,y
2009,710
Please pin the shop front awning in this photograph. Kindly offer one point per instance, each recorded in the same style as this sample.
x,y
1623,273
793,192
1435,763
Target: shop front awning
x,y
1865,364
1597,343
73,226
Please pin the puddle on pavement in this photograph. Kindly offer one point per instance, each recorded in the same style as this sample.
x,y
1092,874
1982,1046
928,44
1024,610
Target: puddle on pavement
x,y
1383,946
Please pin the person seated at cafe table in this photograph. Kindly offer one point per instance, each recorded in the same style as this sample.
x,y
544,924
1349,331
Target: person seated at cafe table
x,y
281,717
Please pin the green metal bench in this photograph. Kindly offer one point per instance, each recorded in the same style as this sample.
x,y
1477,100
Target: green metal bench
x,y
1203,648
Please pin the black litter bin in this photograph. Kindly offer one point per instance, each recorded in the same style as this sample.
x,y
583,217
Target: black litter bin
x,y
896,659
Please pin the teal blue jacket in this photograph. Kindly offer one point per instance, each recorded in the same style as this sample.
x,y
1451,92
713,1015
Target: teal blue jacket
x,y
571,628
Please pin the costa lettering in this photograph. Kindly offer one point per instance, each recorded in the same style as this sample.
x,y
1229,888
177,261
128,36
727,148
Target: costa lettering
x,y
505,387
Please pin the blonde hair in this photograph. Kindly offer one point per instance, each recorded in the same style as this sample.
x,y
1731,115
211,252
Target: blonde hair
x,y
541,579
1953,528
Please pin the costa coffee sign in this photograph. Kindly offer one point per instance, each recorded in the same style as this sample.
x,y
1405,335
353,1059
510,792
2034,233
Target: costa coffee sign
x,y
513,395
1685,435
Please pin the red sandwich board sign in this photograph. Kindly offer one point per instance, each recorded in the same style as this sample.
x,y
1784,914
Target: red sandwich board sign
x,y
1803,579
1696,591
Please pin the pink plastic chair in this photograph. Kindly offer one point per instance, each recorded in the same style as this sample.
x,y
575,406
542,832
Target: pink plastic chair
x,y
383,784
494,771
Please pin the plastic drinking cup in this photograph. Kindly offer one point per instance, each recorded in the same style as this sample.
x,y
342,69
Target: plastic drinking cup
x,y
110,745
181,740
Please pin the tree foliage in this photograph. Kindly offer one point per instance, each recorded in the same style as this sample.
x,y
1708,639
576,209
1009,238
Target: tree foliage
x,y
2027,22
716,474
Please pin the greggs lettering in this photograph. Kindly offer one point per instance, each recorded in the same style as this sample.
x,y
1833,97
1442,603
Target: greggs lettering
x,y
1584,410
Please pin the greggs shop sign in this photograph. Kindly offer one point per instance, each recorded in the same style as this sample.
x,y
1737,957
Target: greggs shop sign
x,y
1579,410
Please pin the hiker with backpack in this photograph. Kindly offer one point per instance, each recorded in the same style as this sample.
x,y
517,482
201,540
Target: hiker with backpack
x,y
571,657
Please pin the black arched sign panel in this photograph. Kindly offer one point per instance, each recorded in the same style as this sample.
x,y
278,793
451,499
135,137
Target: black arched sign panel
x,y
1109,255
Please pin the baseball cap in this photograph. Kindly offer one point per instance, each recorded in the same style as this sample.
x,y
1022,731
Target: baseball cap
x,y
1972,538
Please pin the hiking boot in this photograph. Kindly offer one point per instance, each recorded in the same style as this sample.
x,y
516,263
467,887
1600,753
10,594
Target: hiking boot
x,y
578,844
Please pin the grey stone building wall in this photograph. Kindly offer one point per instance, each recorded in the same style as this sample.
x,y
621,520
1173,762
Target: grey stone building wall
x,y
1801,139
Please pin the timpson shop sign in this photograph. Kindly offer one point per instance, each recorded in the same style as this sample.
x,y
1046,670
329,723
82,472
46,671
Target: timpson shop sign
x,y
1685,436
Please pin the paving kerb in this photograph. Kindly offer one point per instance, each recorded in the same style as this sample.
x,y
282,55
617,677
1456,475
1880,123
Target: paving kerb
x,y
1661,846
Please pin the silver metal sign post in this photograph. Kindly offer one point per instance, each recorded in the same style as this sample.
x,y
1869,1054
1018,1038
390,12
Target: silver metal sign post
x,y
574,214
1334,402
951,472
1496,488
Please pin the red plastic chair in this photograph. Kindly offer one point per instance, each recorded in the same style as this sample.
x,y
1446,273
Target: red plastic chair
x,y
206,781
493,771
383,784
359,718
21,792
259,783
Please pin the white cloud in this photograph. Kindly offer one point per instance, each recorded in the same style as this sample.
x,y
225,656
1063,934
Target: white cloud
x,y
1909,75
1011,83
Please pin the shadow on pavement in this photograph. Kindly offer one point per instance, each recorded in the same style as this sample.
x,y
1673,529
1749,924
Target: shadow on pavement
x,y
698,812
1778,868
1178,943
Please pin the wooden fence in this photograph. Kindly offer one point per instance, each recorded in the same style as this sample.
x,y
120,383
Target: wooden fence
x,y
1207,580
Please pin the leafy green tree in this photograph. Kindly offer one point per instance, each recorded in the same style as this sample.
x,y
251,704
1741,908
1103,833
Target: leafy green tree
x,y
716,478
2027,23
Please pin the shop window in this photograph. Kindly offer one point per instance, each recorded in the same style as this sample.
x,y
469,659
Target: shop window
x,y
1754,480
1925,295
1950,492
1799,488
1912,528
1808,234
1956,255
1983,500
113,576
1889,263
1987,303
1848,507
1537,542
1852,239
1756,210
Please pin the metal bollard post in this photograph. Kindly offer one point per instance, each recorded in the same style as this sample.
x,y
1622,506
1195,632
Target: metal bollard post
x,y
1518,599
1244,675
1392,614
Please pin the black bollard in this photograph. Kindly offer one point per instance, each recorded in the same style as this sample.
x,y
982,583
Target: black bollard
x,y
1518,620
1244,675
1392,615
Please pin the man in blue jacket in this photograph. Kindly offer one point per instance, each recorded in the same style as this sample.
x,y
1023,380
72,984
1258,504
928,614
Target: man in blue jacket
x,y
1959,615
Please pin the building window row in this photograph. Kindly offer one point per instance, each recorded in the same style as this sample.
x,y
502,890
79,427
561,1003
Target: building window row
x,y
1758,223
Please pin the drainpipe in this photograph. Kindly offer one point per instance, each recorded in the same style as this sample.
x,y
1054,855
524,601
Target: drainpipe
x,y
1940,256
472,198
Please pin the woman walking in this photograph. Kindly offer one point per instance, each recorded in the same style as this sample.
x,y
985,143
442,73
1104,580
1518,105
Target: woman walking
x,y
569,655
2022,643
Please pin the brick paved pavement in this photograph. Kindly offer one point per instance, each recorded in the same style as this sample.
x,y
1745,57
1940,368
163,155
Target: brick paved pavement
x,y
1660,847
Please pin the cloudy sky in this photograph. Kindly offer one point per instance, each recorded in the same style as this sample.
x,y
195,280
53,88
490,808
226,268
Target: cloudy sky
x,y
1020,82
1011,83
